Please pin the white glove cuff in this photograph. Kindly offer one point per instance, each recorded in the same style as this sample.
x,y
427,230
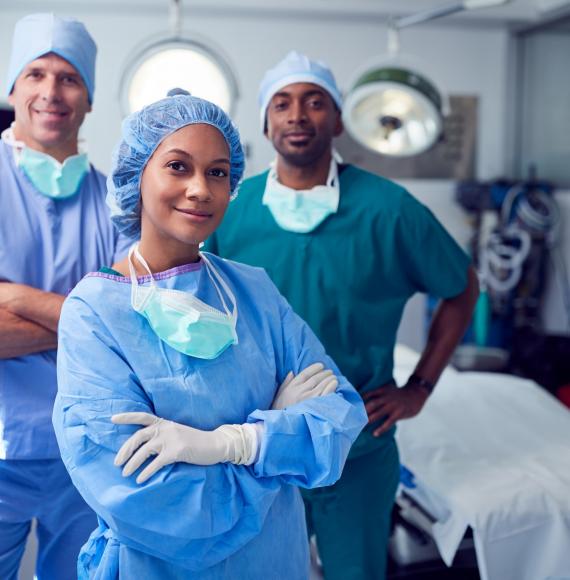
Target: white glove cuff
x,y
256,433
242,442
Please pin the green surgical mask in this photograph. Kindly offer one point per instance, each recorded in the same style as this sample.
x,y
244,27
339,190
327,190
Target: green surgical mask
x,y
181,320
302,211
50,177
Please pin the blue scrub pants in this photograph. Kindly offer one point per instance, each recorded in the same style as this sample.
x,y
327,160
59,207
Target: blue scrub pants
x,y
41,489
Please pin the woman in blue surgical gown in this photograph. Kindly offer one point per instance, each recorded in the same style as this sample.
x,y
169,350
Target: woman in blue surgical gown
x,y
190,402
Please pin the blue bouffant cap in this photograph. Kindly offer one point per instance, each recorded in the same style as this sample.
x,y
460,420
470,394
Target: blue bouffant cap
x,y
143,132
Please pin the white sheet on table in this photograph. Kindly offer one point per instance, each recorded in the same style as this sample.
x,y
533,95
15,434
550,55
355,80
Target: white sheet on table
x,y
497,448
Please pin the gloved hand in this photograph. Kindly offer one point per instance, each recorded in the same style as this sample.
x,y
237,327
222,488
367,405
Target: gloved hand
x,y
172,442
311,382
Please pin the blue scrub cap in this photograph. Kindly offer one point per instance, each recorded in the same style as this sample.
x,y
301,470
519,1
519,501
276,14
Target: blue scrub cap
x,y
143,132
296,68
39,34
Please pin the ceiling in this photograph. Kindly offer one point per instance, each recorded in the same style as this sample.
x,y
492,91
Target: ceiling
x,y
517,11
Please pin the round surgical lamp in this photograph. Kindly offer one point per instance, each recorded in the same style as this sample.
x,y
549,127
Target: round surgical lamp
x,y
173,60
392,109
177,62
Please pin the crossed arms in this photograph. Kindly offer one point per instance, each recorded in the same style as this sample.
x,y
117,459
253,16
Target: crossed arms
x,y
28,320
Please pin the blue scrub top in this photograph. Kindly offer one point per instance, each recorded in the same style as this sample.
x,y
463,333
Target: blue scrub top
x,y
49,245
190,521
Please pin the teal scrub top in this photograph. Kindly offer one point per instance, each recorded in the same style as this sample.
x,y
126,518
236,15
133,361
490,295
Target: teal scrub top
x,y
351,277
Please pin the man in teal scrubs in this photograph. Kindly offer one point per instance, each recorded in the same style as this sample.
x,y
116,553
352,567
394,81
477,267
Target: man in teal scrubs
x,y
348,249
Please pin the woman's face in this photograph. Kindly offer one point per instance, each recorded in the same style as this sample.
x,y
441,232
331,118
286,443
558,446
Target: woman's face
x,y
185,186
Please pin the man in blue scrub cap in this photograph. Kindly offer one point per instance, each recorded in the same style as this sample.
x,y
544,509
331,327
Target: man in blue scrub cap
x,y
54,228
347,249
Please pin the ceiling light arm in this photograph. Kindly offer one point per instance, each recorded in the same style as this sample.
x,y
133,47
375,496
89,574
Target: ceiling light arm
x,y
445,10
176,17
393,38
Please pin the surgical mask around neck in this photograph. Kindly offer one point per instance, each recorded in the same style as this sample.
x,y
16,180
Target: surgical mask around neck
x,y
181,320
50,177
301,211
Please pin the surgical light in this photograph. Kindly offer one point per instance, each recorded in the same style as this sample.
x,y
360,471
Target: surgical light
x,y
176,61
393,109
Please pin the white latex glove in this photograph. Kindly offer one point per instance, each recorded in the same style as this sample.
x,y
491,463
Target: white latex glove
x,y
311,382
172,442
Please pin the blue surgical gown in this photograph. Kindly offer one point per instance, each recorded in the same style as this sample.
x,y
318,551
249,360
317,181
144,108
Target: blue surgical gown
x,y
190,521
49,245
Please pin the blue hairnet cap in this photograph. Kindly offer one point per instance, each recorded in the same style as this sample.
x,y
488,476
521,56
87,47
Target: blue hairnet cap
x,y
143,132
39,34
296,68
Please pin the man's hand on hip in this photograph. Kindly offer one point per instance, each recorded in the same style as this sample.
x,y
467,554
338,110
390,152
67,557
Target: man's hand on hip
x,y
393,403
